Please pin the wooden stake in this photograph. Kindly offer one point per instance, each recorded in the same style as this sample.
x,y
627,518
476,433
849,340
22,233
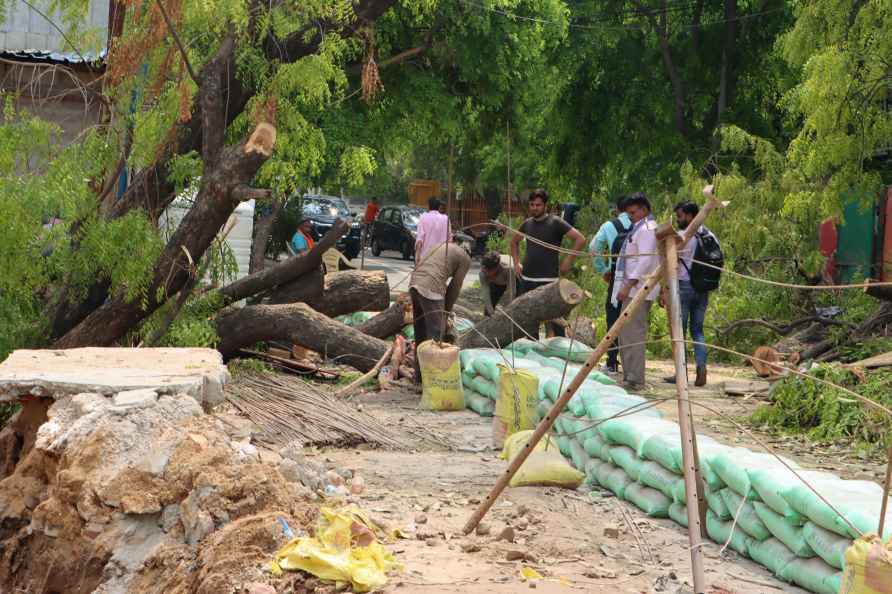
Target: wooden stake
x,y
546,423
886,486
669,237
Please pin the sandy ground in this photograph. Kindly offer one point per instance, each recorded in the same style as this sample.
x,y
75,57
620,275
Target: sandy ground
x,y
578,540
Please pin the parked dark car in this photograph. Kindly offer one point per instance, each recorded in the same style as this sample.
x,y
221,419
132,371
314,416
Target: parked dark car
x,y
394,229
323,211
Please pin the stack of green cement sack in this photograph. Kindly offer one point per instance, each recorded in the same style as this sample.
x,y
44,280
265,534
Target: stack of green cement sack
x,y
622,444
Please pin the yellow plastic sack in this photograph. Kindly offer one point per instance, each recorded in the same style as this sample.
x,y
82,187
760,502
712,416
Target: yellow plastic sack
x,y
515,443
344,550
517,399
868,567
544,467
441,387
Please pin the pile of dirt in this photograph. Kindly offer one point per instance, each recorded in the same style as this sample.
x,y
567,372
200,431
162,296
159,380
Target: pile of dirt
x,y
136,493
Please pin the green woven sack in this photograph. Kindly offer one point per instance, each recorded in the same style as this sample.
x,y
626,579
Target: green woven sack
x,y
614,478
734,466
770,482
829,546
722,532
713,499
578,455
591,471
812,574
679,514
598,448
745,513
782,530
481,405
771,553
651,501
625,458
655,476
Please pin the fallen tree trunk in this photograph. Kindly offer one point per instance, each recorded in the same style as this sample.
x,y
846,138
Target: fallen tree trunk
x,y
284,272
554,300
388,322
300,324
338,293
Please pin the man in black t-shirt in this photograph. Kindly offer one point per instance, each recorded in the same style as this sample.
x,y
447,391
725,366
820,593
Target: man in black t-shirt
x,y
542,264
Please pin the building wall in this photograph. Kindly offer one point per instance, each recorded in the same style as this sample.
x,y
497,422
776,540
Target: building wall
x,y
26,29
64,95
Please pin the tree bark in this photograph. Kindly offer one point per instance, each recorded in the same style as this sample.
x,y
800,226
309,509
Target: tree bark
x,y
262,229
552,301
300,324
661,28
286,271
152,188
339,293
389,322
236,165
882,292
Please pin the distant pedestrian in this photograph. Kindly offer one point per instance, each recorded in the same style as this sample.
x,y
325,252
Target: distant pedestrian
x,y
542,263
434,288
371,212
637,259
498,282
433,231
609,240
694,283
302,240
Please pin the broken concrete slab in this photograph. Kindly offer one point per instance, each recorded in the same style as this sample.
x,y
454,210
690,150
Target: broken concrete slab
x,y
199,373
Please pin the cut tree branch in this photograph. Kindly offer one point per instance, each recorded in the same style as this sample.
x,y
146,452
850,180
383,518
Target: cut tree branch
x,y
244,193
176,40
286,271
214,204
779,328
300,324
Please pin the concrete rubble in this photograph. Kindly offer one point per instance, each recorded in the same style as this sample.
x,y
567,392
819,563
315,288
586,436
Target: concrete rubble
x,y
117,481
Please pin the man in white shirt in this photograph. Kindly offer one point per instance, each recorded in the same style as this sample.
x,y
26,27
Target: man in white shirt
x,y
432,232
638,258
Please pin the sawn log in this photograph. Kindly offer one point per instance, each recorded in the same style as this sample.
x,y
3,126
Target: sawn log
x,y
337,293
300,324
523,315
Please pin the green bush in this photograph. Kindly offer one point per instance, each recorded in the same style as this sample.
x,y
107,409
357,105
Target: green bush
x,y
824,413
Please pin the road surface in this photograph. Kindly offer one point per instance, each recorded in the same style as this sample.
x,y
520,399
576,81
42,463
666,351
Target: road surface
x,y
398,270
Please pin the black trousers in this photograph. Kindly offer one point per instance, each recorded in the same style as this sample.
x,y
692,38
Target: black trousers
x,y
525,287
612,315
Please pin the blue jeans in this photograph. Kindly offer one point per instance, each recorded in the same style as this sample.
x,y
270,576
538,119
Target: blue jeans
x,y
693,314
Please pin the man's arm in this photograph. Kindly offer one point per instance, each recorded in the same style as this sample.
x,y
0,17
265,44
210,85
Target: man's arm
x,y
578,245
458,278
598,246
487,295
421,233
515,251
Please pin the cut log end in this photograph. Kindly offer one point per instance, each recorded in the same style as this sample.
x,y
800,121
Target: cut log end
x,y
571,293
262,140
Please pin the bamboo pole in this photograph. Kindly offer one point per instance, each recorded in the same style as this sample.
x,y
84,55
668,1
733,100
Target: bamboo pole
x,y
886,486
670,253
546,423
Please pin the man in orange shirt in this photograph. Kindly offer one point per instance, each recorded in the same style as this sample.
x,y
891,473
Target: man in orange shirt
x,y
371,211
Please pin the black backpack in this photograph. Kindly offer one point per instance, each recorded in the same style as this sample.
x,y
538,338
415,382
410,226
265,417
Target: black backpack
x,y
621,234
706,278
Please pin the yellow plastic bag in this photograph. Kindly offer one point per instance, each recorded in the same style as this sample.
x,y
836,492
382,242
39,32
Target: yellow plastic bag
x,y
441,387
517,399
344,550
868,567
514,443
544,467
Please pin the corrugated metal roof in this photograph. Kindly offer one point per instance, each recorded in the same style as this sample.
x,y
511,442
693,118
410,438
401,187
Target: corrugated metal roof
x,y
52,57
